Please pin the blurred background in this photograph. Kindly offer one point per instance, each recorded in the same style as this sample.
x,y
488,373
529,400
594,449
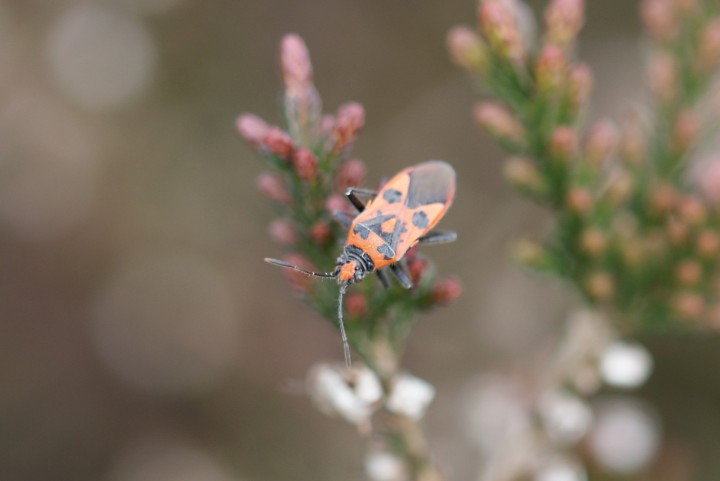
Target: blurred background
x,y
142,337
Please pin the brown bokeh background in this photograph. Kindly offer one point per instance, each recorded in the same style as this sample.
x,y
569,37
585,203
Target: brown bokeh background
x,y
142,337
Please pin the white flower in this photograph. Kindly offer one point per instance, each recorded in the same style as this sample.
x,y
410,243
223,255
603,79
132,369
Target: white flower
x,y
410,396
383,466
625,364
560,468
334,394
566,418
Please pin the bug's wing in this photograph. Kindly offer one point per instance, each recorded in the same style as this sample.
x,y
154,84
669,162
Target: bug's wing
x,y
430,192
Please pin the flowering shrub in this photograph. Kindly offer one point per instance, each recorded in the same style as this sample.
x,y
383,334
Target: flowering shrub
x,y
632,231
310,170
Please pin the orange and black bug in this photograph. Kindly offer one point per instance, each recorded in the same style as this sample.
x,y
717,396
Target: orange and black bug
x,y
399,216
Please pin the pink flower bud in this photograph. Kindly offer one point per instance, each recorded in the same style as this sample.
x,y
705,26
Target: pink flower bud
x,y
282,232
707,243
350,174
499,122
337,203
659,19
687,128
580,83
320,232
563,21
272,187
305,164
563,143
677,231
688,272
709,54
252,128
593,242
692,210
550,69
708,179
416,267
688,305
662,198
633,146
579,200
498,24
446,290
303,107
349,120
602,139
299,282
600,286
662,76
521,172
295,64
279,143
467,49
355,305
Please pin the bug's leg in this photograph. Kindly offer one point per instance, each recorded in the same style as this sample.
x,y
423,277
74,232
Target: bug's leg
x,y
382,275
401,275
352,195
343,218
438,237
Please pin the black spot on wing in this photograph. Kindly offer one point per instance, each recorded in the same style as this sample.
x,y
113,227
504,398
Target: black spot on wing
x,y
386,251
362,231
392,196
420,219
430,183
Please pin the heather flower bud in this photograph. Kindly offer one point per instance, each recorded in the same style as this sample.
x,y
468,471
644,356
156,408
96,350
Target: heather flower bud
x,y
350,174
355,305
272,187
550,69
687,128
659,19
632,144
349,120
282,232
677,231
252,128
619,188
498,24
446,290
579,200
320,232
708,179
563,143
600,286
529,253
692,211
662,77
563,21
499,122
299,282
707,243
709,50
336,203
688,305
305,164
416,267
302,101
279,143
580,83
522,173
662,198
593,242
467,49
688,272
602,139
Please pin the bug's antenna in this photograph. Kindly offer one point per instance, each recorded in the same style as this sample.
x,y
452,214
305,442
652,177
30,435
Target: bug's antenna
x,y
343,336
279,263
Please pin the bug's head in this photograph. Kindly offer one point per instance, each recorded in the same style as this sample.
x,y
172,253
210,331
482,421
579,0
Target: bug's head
x,y
349,270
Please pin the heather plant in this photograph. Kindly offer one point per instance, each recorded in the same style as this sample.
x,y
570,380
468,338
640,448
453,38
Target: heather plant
x,y
310,169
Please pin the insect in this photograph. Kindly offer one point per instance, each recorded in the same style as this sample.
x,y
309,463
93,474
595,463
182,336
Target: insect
x,y
399,216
